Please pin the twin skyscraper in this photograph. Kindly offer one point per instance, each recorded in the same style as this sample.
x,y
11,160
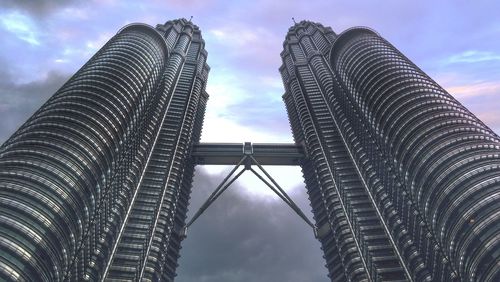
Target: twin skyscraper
x,y
403,180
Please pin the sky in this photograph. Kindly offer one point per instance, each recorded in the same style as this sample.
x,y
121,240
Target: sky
x,y
248,234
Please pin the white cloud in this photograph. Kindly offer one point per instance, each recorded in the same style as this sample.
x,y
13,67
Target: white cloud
x,y
225,89
74,14
473,56
244,41
272,82
94,45
225,129
237,36
21,26
77,55
218,33
220,124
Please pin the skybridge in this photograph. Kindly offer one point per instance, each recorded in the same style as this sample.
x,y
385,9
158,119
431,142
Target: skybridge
x,y
247,156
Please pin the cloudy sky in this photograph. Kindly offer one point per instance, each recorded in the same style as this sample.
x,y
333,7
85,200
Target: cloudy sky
x,y
248,235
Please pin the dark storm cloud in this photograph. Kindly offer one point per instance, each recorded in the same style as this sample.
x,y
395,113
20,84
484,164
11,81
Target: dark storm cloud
x,y
19,101
240,238
38,7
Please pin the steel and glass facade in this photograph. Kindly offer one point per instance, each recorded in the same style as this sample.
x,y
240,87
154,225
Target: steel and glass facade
x,y
403,180
95,184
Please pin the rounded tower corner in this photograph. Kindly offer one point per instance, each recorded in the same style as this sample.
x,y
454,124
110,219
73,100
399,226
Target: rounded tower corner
x,y
344,36
148,29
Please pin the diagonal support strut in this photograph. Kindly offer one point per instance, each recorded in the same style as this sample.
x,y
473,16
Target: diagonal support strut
x,y
288,200
217,192
248,160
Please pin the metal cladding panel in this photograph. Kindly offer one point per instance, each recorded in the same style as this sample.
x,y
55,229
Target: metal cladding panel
x,y
447,160
403,180
61,172
324,198
356,241
93,184
409,172
149,245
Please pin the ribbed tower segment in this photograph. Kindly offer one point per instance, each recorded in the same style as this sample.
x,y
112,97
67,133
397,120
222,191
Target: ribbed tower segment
x,y
438,164
357,241
65,174
149,244
95,184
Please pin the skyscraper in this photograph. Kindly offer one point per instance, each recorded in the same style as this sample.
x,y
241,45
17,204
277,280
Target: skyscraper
x,y
403,180
96,183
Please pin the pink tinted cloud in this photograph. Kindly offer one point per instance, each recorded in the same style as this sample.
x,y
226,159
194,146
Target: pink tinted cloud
x,y
491,118
475,91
